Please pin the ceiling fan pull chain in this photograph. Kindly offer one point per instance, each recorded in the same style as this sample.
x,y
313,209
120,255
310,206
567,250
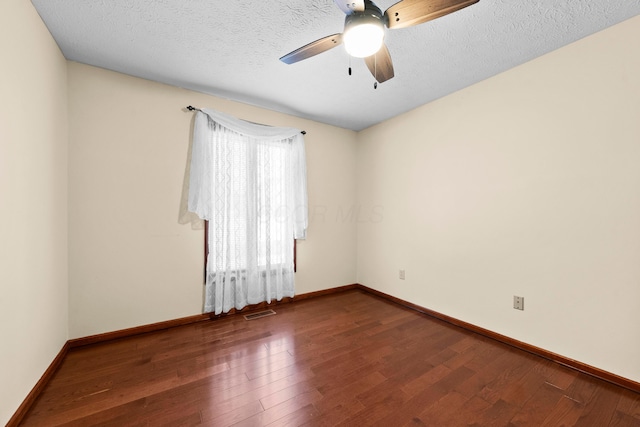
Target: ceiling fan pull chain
x,y
375,71
349,64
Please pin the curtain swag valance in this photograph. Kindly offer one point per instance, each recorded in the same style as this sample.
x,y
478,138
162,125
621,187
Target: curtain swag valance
x,y
252,130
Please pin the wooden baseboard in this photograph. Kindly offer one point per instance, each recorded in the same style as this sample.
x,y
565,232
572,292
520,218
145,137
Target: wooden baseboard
x,y
327,292
556,358
17,417
137,330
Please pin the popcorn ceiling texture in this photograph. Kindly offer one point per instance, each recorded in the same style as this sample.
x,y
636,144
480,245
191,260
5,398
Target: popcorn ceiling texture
x,y
231,48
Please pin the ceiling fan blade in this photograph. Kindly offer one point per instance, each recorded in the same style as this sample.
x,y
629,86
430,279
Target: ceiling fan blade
x,y
312,49
380,65
350,6
406,13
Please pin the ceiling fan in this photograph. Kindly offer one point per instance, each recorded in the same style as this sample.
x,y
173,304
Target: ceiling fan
x,y
364,31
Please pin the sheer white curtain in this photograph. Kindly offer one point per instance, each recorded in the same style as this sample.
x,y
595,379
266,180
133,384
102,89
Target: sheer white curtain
x,y
249,182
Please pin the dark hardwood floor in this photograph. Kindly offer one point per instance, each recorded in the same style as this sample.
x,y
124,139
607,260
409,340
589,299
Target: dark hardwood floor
x,y
347,359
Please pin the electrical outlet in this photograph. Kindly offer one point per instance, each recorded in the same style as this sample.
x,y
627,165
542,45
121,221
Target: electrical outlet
x,y
518,303
401,274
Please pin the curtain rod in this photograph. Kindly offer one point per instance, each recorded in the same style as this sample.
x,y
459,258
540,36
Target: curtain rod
x,y
192,108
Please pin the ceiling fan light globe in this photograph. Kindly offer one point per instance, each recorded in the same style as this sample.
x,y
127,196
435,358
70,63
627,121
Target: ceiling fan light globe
x,y
363,40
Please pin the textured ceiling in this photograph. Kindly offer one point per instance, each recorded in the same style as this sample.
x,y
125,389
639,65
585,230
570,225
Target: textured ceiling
x,y
231,48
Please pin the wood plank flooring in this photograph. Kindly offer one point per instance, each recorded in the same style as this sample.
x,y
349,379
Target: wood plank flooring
x,y
347,359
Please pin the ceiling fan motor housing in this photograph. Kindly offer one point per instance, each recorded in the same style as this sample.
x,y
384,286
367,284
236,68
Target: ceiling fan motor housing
x,y
370,15
361,28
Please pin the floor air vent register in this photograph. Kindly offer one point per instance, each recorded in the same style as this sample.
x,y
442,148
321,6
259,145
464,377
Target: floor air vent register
x,y
259,314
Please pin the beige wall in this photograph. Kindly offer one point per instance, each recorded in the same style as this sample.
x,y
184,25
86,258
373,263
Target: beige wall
x,y
131,261
33,202
525,184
